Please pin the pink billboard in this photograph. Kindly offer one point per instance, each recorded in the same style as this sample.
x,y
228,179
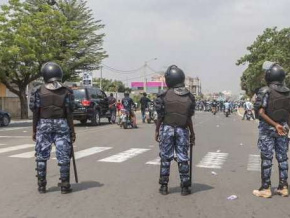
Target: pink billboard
x,y
148,84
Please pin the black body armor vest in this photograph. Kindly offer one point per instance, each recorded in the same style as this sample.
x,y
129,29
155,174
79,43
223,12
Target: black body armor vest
x,y
52,105
177,109
279,106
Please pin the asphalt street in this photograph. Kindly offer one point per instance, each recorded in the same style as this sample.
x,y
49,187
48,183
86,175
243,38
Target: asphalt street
x,y
119,170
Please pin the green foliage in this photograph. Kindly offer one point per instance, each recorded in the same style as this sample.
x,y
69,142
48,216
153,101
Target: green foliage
x,y
109,85
272,45
33,32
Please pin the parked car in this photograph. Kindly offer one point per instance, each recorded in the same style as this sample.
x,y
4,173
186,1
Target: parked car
x,y
90,104
5,118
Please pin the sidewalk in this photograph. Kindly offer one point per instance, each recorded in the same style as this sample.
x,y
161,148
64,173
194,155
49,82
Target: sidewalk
x,y
16,121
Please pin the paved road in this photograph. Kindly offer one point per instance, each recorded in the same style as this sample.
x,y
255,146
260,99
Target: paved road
x,y
118,172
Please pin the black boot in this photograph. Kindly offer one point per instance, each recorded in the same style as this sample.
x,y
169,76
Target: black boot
x,y
185,188
42,185
163,181
41,176
65,186
185,191
163,189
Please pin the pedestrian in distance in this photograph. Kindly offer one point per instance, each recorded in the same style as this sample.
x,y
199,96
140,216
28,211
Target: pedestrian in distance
x,y
144,105
112,107
52,106
129,105
248,106
272,107
174,128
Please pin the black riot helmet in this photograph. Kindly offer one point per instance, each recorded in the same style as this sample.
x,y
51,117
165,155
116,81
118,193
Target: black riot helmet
x,y
174,77
51,72
274,72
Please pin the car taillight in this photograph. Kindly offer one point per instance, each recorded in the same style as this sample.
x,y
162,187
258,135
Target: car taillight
x,y
86,102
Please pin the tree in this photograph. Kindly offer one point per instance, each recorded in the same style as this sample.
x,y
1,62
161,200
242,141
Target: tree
x,y
109,85
33,32
272,45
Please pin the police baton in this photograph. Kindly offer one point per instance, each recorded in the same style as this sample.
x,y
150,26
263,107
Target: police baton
x,y
190,162
74,163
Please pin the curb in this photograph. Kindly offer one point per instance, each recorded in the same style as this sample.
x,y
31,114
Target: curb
x,y
20,121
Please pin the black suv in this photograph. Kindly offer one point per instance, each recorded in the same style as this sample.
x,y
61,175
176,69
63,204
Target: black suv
x,y
90,104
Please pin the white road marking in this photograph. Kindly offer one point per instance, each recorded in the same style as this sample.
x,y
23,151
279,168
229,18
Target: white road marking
x,y
254,163
213,160
12,128
123,156
15,148
154,162
29,154
16,137
2,144
90,151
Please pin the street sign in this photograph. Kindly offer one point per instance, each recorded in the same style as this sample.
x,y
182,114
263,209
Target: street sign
x,y
88,79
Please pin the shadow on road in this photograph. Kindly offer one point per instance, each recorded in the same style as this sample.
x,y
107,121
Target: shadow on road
x,y
79,186
196,187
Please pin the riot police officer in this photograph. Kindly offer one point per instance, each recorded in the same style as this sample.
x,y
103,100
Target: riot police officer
x,y
52,106
174,128
272,106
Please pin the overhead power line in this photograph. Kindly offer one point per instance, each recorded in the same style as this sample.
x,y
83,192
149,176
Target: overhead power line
x,y
122,71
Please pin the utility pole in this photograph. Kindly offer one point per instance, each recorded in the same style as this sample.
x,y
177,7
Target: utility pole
x,y
101,78
145,80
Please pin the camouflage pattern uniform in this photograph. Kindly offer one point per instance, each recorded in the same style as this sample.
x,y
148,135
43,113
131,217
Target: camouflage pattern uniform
x,y
48,132
174,139
268,142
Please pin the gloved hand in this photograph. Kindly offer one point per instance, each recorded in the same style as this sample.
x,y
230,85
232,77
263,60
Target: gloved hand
x,y
192,139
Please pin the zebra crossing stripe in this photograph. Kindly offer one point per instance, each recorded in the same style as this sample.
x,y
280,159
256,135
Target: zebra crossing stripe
x,y
90,151
154,162
2,144
254,163
15,148
213,160
29,154
123,156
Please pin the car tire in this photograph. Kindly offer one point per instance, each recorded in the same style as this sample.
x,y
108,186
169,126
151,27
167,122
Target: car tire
x,y
5,120
84,121
96,118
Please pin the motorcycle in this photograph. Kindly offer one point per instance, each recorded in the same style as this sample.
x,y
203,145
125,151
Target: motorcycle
x,y
125,119
150,113
249,114
213,110
227,112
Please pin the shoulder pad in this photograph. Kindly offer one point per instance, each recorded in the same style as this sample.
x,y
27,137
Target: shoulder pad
x,y
162,93
159,106
35,89
264,90
68,88
259,99
34,101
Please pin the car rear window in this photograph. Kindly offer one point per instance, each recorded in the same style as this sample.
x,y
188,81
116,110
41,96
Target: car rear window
x,y
79,94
